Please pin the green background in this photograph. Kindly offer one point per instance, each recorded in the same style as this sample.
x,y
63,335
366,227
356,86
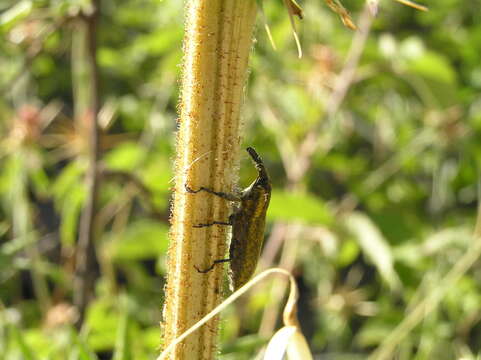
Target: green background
x,y
385,210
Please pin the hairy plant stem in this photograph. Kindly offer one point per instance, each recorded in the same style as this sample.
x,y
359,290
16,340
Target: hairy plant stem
x,y
217,43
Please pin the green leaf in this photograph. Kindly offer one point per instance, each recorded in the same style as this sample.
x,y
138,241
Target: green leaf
x,y
374,246
243,344
122,350
348,253
16,13
157,175
70,213
19,337
124,157
4,227
150,337
434,66
68,179
286,206
144,239
16,244
40,181
102,320
373,333
80,350
69,194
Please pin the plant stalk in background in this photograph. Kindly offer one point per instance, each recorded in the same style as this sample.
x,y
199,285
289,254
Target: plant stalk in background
x,y
87,105
217,43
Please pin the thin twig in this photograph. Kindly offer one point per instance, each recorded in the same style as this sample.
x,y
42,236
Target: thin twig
x,y
85,255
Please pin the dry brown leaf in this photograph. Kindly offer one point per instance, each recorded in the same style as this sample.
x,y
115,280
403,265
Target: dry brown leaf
x,y
413,5
294,8
340,10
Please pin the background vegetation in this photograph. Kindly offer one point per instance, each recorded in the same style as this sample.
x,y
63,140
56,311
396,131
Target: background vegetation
x,y
372,143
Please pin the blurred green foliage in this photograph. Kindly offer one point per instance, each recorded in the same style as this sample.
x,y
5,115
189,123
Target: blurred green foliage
x,y
382,212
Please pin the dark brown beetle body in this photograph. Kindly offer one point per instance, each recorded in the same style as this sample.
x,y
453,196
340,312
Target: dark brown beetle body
x,y
248,224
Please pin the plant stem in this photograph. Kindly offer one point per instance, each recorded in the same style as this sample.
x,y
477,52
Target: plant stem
x,y
88,111
217,44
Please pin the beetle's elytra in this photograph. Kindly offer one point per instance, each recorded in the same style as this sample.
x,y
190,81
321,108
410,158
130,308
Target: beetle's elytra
x,y
248,223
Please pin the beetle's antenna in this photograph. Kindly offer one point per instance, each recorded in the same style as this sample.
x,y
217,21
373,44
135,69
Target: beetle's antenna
x,y
258,163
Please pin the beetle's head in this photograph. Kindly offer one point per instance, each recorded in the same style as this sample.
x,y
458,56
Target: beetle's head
x,y
263,178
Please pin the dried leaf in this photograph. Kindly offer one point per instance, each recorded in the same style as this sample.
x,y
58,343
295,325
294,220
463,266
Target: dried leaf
x,y
288,339
340,10
294,8
266,25
373,6
290,316
297,348
277,346
413,5
290,310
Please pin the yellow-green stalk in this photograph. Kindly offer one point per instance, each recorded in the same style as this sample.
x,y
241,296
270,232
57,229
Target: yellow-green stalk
x,y
217,43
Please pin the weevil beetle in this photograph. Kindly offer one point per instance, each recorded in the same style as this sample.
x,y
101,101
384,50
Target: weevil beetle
x,y
248,222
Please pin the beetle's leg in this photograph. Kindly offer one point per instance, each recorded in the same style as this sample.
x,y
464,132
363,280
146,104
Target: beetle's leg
x,y
226,223
213,223
212,266
223,195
